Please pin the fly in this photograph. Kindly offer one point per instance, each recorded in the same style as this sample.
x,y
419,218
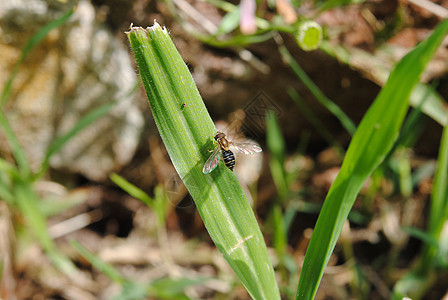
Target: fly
x,y
227,155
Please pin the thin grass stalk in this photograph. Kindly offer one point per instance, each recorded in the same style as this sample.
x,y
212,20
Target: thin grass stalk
x,y
345,121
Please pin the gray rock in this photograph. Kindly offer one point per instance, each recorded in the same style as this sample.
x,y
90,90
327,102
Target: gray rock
x,y
75,69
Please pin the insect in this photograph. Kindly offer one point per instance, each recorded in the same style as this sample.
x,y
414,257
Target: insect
x,y
226,153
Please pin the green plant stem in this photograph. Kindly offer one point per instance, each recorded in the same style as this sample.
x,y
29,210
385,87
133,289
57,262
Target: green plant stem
x,y
346,122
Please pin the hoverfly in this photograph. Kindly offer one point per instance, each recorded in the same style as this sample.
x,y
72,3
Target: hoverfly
x,y
227,154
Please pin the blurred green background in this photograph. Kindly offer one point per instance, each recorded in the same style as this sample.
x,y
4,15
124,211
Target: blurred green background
x,y
91,206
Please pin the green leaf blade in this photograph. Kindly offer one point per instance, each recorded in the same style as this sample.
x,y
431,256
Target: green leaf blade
x,y
372,141
187,130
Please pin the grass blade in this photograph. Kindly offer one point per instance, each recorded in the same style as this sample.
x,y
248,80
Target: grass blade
x,y
345,121
419,280
372,141
80,125
308,113
276,146
132,190
102,266
433,105
28,203
16,148
33,41
187,129
439,194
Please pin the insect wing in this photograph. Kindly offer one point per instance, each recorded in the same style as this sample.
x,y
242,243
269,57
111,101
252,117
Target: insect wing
x,y
247,148
212,161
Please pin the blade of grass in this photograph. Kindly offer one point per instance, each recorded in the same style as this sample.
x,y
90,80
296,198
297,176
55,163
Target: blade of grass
x,y
33,41
276,145
433,106
157,204
8,168
7,171
169,288
27,201
132,190
346,122
79,126
102,266
16,149
439,193
313,119
375,136
187,130
173,288
418,281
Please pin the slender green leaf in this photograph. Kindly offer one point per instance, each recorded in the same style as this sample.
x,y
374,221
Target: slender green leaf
x,y
312,118
16,148
421,235
276,145
346,122
239,40
7,167
6,193
80,125
132,190
187,131
27,201
433,104
372,141
158,203
418,280
172,288
230,21
132,290
439,193
412,282
102,266
33,41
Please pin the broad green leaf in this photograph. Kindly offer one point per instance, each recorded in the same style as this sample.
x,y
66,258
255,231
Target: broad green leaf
x,y
187,130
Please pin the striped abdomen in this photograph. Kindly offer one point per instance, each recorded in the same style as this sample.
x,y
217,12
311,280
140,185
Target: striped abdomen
x,y
229,159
